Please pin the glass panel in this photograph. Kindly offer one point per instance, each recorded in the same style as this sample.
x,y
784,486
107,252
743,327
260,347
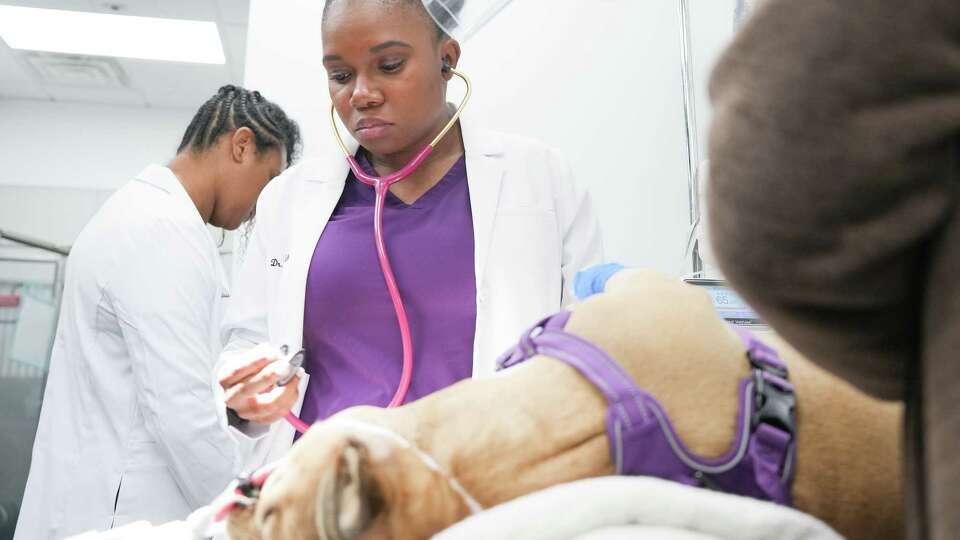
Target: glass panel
x,y
30,290
707,27
463,18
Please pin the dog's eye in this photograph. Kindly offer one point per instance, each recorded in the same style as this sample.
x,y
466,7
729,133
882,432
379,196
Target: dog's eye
x,y
264,518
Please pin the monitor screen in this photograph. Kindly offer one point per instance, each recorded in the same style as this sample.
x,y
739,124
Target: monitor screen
x,y
727,302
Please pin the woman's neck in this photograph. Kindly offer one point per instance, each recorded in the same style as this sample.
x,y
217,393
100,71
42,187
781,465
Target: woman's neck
x,y
197,179
431,171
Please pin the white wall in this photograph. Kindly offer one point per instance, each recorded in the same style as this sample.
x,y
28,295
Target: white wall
x,y
599,79
58,163
62,160
86,146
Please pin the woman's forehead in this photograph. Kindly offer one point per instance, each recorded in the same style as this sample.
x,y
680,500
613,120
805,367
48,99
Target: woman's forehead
x,y
375,20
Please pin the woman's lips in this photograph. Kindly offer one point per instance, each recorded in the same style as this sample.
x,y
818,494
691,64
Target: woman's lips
x,y
369,129
373,132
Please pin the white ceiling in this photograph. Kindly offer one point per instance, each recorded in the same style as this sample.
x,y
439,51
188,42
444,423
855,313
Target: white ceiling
x,y
146,83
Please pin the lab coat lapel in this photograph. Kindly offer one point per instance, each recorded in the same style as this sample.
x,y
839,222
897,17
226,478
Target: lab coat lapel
x,y
485,168
165,179
319,194
317,197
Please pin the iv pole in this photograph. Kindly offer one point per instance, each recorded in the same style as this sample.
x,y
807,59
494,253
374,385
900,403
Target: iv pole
x,y
691,139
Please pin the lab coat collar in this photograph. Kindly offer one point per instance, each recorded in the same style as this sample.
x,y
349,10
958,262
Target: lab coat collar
x,y
324,179
485,170
163,178
484,151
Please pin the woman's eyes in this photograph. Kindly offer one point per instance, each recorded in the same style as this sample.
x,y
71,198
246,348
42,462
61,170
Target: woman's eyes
x,y
341,77
391,67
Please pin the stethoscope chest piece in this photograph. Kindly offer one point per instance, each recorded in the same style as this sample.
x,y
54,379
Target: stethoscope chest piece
x,y
294,363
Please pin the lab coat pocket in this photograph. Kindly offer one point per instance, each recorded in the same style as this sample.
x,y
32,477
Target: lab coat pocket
x,y
527,237
526,257
113,520
106,321
149,491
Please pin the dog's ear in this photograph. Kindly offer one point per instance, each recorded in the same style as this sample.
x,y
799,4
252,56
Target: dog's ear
x,y
349,498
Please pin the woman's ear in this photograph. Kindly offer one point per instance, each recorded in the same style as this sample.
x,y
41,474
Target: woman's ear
x,y
449,56
243,144
349,499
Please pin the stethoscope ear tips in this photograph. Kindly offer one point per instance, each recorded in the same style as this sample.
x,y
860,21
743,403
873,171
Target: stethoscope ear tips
x,y
446,66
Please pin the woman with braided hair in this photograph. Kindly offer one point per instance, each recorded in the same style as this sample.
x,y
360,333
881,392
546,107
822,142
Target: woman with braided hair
x,y
128,429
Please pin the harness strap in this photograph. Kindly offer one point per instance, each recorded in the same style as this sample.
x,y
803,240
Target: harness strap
x,y
548,338
641,437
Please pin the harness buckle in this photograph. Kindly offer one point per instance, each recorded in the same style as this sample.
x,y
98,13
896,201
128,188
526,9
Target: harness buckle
x,y
764,358
774,404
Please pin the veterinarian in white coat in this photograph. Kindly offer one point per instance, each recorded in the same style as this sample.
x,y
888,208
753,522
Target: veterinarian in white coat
x,y
485,236
534,230
129,428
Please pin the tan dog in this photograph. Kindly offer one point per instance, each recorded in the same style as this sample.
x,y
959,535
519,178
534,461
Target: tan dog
x,y
408,473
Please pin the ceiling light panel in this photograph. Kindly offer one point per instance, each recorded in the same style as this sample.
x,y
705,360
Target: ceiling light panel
x,y
100,34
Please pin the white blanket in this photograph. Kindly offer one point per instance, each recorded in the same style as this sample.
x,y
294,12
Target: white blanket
x,y
609,508
198,526
618,507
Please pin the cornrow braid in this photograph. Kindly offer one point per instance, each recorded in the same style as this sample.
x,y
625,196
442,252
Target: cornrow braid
x,y
221,116
234,107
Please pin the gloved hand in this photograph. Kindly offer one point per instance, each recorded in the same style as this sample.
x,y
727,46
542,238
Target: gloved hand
x,y
593,280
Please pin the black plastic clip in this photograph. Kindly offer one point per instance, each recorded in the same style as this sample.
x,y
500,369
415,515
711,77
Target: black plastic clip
x,y
773,405
247,487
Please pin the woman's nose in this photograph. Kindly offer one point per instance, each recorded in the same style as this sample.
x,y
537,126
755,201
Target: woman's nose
x,y
365,95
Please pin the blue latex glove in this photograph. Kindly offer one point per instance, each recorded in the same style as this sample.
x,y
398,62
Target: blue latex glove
x,y
593,280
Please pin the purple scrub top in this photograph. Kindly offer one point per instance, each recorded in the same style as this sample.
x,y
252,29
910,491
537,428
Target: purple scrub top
x,y
350,333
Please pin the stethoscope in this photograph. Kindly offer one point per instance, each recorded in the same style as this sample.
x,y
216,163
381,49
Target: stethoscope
x,y
381,186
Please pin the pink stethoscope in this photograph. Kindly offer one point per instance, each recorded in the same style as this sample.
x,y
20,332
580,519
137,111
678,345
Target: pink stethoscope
x,y
381,185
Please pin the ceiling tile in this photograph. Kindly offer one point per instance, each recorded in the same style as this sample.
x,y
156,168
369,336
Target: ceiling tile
x,y
22,90
167,84
234,38
234,11
199,10
177,9
11,67
139,8
151,83
95,95
72,5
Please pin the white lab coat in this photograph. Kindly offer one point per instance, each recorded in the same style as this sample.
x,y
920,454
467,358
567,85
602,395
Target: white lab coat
x,y
129,428
533,230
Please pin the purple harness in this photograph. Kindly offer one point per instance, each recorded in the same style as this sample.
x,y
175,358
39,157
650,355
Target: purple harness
x,y
642,440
